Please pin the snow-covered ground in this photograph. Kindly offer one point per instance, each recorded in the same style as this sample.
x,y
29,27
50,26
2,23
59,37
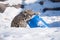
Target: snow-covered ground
x,y
29,34
50,17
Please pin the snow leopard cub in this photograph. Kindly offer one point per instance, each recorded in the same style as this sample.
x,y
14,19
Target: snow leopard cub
x,y
22,18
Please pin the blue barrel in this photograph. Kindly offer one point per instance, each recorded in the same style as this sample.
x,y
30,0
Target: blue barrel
x,y
33,23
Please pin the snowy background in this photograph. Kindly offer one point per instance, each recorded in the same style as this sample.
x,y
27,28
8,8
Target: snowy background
x,y
50,17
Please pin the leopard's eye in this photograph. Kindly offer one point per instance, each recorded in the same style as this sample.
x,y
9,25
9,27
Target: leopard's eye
x,y
25,12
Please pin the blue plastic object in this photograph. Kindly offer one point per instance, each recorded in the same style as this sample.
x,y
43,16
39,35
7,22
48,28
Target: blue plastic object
x,y
34,22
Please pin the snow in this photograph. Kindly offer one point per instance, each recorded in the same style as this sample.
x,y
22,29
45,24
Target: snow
x,y
51,17
30,1
14,2
8,15
30,34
